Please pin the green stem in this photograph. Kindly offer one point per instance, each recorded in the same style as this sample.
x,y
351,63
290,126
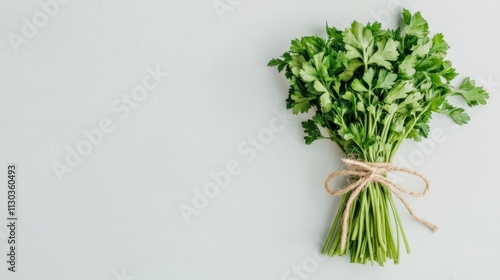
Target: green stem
x,y
371,234
334,226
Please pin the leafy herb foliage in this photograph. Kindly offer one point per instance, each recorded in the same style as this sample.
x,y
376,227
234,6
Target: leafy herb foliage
x,y
371,89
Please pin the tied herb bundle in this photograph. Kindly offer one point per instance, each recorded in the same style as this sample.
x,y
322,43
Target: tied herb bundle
x,y
371,89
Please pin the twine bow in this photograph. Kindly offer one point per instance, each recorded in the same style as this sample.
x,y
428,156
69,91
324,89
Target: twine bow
x,y
369,172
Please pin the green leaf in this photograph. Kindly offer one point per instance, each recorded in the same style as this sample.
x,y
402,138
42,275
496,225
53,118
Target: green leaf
x,y
352,52
368,77
333,33
399,91
369,141
435,104
375,28
431,94
387,51
318,120
275,62
391,108
419,131
360,106
356,131
349,96
296,64
385,79
358,41
358,36
430,64
448,71
349,71
300,103
435,78
415,25
313,45
319,60
398,125
407,66
422,49
371,109
320,87
411,105
439,45
345,134
473,95
358,86
308,73
326,102
458,115
297,46
312,131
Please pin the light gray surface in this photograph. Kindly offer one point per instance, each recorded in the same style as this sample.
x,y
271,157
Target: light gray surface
x,y
116,215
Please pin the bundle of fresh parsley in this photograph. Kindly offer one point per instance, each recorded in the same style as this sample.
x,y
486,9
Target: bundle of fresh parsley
x,y
371,89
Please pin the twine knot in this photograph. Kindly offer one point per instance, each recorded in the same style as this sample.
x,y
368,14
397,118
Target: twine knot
x,y
370,172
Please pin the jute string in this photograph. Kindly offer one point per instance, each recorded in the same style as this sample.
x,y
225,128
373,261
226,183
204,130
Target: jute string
x,y
370,172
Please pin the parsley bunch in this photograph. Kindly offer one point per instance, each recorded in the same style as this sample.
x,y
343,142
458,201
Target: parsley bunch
x,y
371,89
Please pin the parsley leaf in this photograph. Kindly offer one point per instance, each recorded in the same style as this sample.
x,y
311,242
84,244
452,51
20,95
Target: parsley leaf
x,y
387,51
415,25
473,95
312,131
385,79
458,115
358,41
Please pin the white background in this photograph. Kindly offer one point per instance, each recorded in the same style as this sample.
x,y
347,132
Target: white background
x,y
116,216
